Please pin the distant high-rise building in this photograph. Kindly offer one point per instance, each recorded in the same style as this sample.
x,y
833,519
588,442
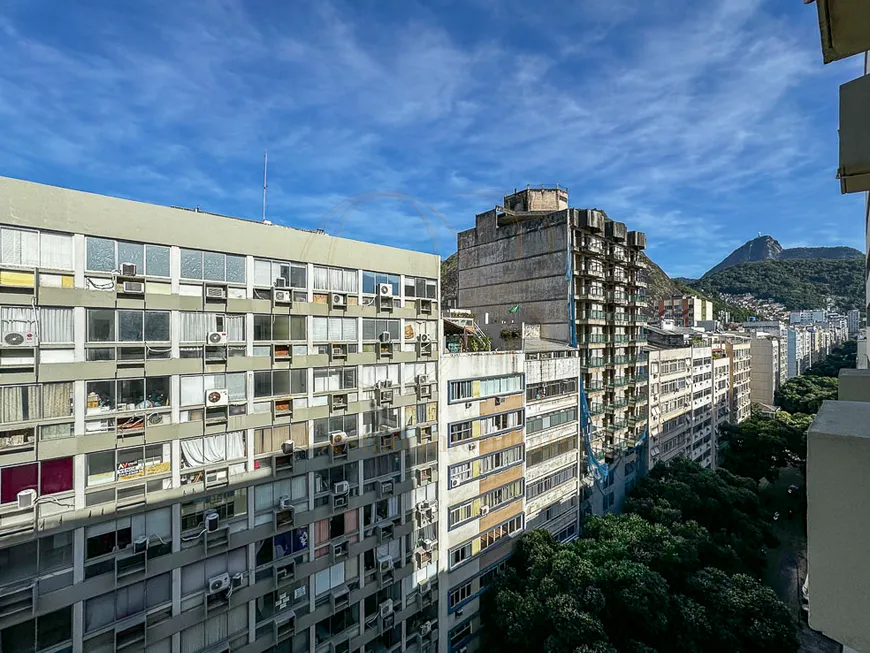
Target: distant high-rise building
x,y
687,310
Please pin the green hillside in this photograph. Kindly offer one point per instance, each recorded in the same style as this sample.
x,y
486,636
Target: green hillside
x,y
796,283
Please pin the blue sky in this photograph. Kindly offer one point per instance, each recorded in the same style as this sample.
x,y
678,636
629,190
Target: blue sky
x,y
699,122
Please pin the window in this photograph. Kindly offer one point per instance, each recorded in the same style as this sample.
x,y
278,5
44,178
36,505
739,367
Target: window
x,y
212,266
463,553
267,440
48,631
549,482
460,431
459,514
549,389
20,320
371,375
463,390
46,477
277,383
372,329
127,394
281,328
460,594
502,422
505,494
211,449
56,326
460,474
22,403
460,555
332,329
425,288
193,388
551,450
458,390
550,420
371,281
195,327
336,279
459,634
105,255
106,325
323,427
21,247
501,459
267,273
330,379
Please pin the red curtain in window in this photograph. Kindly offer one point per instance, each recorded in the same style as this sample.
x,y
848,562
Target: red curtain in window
x,y
15,479
57,476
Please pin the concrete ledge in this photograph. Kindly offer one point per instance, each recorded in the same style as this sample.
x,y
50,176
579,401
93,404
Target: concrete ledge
x,y
854,385
838,522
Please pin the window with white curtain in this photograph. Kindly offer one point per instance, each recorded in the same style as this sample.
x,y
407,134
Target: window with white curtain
x,y
334,378
56,326
211,449
335,279
373,374
195,327
329,579
193,388
21,403
19,247
501,385
267,273
334,329
17,319
410,371
56,251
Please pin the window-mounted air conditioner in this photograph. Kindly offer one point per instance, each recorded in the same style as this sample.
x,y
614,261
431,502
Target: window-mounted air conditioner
x,y
384,337
338,438
218,584
217,338
282,296
288,447
385,563
385,290
215,292
216,398
386,608
133,288
284,503
341,488
26,499
128,269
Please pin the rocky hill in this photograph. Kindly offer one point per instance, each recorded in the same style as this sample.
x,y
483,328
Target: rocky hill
x,y
767,248
796,283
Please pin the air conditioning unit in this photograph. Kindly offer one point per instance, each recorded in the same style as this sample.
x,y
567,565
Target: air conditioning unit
x,y
484,510
133,288
386,608
216,398
140,544
425,337
219,583
341,488
454,482
337,402
339,501
425,628
215,292
19,339
385,290
211,522
338,438
384,337
386,488
385,563
280,282
288,447
26,499
284,503
128,269
422,379
282,296
217,338
427,545
337,300
238,580
385,396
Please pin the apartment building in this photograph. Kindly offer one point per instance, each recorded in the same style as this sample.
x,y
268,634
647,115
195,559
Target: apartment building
x,y
482,504
216,434
853,320
766,353
738,349
811,316
837,443
722,392
670,402
798,351
686,310
580,276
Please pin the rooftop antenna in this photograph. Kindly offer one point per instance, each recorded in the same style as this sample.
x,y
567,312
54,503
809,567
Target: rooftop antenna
x,y
265,183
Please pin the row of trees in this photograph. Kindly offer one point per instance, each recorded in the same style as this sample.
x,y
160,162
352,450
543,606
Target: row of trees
x,y
677,571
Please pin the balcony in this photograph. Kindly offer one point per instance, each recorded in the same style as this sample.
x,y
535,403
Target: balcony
x,y
619,318
591,246
617,383
593,339
586,316
590,270
619,360
621,338
596,409
637,300
638,378
638,400
636,420
592,362
617,298
594,386
639,318
854,172
617,425
612,406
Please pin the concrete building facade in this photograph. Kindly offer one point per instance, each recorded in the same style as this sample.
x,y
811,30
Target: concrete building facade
x,y
215,433
687,310
767,355
578,275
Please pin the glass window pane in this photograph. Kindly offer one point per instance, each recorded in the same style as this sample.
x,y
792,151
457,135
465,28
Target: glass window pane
x,y
101,254
157,260
157,326
130,326
298,274
368,282
262,328
132,253
236,269
214,267
157,391
101,325
262,272
297,327
191,264
262,384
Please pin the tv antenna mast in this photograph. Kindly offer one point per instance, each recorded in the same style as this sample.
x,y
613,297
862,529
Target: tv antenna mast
x,y
265,183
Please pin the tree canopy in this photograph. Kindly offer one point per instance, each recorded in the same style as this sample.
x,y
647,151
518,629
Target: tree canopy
x,y
805,394
759,446
659,578
840,357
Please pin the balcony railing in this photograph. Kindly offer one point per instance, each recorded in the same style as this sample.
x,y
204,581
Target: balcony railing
x,y
615,405
638,299
621,338
592,362
638,378
620,360
593,338
596,409
638,400
592,315
618,317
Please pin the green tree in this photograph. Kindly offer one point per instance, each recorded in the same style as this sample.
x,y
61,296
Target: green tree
x,y
842,357
759,446
805,394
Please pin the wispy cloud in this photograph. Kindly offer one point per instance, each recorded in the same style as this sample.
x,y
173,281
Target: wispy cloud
x,y
699,123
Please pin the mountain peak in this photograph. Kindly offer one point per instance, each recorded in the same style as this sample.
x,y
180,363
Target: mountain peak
x,y
767,248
